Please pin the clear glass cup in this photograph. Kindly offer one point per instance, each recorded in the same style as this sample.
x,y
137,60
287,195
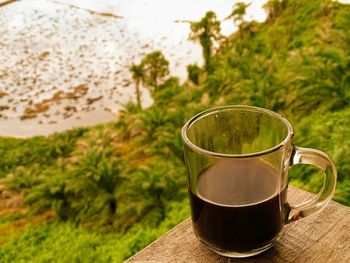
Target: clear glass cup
x,y
237,159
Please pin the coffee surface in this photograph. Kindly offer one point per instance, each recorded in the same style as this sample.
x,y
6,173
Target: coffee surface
x,y
238,182
238,205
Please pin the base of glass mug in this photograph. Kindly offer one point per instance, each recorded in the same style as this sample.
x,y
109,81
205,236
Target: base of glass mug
x,y
241,254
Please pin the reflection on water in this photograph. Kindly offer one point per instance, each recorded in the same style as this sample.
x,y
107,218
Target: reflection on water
x,y
49,49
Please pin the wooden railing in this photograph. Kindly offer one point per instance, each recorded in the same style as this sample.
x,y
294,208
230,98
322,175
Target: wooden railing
x,y
324,237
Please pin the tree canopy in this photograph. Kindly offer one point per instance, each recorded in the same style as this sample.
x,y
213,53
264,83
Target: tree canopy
x,y
207,32
155,69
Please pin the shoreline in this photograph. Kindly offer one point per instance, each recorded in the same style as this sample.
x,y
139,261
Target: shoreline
x,y
31,128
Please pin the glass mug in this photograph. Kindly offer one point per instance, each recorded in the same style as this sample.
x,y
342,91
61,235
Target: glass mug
x,y
237,159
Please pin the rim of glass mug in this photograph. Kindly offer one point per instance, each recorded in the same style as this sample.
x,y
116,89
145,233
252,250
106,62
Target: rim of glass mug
x,y
205,113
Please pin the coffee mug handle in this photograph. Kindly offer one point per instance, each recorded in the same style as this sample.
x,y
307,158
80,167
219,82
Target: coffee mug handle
x,y
323,161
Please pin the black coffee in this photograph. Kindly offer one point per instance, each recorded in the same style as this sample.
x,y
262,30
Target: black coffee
x,y
239,205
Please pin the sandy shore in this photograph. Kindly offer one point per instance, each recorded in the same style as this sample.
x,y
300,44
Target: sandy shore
x,y
64,66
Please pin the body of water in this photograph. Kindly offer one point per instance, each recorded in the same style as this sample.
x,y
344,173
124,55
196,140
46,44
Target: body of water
x,y
65,63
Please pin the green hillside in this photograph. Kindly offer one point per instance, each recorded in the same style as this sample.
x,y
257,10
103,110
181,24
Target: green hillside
x,y
101,194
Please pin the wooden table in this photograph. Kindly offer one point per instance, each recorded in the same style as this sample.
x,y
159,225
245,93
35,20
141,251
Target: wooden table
x,y
324,237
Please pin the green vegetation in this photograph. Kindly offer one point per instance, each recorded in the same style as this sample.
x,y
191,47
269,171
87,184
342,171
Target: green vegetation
x,y
239,10
65,242
207,31
150,72
112,189
137,75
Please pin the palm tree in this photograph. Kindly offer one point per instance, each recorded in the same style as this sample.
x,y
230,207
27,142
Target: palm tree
x,y
150,190
137,75
49,191
238,12
207,31
92,187
152,120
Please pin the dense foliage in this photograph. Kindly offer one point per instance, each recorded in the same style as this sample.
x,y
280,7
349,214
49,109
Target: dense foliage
x,y
116,187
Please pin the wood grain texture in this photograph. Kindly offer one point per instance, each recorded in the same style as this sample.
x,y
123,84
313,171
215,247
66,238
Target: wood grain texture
x,y
324,237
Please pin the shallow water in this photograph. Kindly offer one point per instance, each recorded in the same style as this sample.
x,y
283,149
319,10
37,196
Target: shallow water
x,y
49,48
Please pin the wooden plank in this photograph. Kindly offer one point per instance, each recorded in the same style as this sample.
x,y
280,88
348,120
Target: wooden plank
x,y
324,237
